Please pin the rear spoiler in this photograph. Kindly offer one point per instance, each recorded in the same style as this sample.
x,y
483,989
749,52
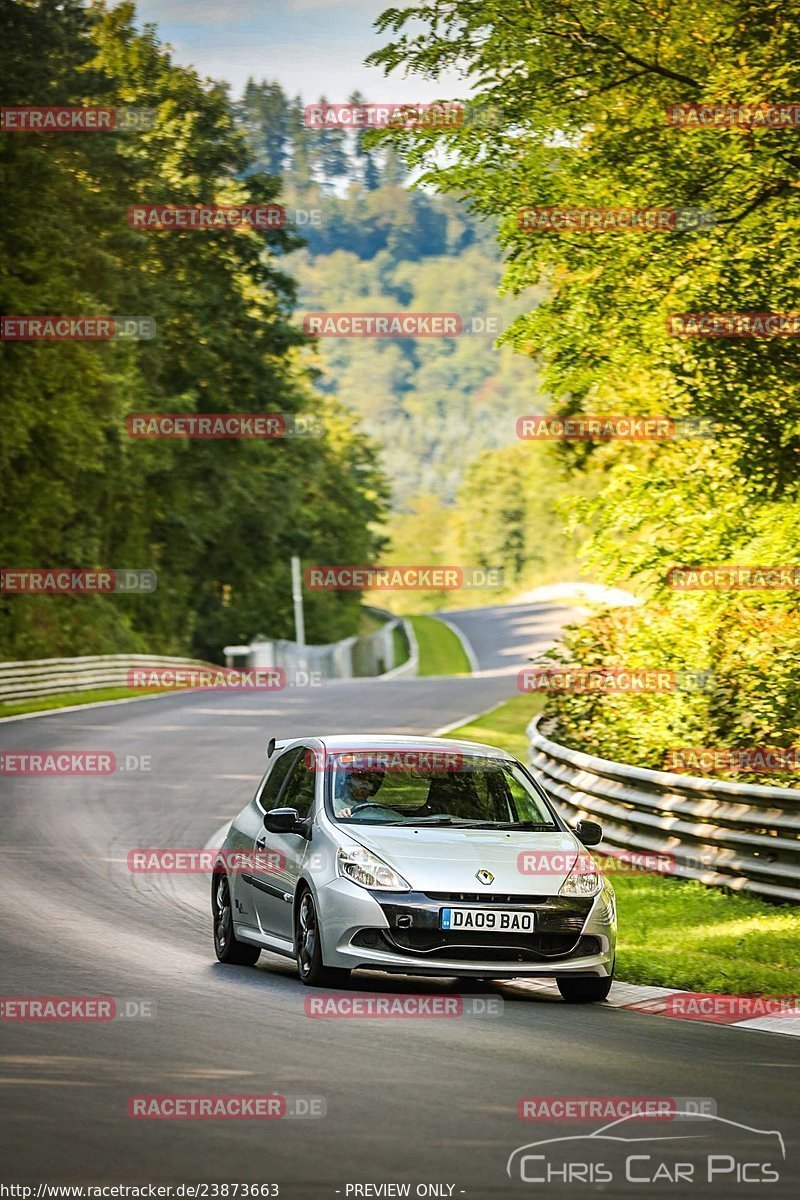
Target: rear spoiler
x,y
277,744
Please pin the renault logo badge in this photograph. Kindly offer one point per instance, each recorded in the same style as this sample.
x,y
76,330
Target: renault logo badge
x,y
485,876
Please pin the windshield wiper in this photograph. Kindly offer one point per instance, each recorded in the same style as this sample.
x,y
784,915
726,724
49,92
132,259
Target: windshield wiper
x,y
538,826
378,823
462,823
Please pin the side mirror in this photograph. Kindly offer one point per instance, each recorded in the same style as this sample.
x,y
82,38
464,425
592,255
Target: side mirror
x,y
281,820
287,820
589,832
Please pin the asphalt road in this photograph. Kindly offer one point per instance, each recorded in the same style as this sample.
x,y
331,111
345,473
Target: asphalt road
x,y
505,640
426,1102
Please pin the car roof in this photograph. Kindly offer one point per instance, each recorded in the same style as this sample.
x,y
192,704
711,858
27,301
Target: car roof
x,y
393,741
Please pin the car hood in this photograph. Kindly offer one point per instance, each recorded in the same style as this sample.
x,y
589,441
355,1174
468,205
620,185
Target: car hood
x,y
450,859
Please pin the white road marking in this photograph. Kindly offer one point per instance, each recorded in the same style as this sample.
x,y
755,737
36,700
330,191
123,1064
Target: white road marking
x,y
465,720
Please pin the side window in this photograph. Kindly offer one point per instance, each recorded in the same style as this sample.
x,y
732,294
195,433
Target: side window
x,y
299,791
280,769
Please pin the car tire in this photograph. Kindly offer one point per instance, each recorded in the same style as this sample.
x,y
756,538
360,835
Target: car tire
x,y
308,948
227,946
584,989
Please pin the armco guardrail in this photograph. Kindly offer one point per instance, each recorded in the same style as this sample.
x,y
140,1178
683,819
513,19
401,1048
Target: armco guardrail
x,y
49,676
736,835
371,654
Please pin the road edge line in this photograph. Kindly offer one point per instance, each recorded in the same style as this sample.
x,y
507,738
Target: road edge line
x,y
445,729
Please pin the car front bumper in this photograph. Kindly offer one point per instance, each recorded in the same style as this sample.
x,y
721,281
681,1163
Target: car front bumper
x,y
399,932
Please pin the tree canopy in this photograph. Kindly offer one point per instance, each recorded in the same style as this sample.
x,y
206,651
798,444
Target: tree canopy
x,y
217,520
575,108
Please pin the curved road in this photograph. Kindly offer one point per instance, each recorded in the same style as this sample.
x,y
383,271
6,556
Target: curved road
x,y
408,1101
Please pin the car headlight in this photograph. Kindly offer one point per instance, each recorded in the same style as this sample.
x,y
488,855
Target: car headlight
x,y
585,878
369,871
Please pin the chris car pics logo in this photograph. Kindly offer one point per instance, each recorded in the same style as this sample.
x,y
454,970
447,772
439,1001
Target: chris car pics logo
x,y
696,1149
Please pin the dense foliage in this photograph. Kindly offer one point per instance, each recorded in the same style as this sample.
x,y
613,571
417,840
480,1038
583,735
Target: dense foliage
x,y
378,245
509,512
442,410
217,520
435,404
575,105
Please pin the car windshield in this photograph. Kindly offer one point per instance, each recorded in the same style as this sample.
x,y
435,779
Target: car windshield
x,y
424,788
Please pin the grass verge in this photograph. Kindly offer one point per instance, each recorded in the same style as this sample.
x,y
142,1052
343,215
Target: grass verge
x,y
674,932
440,651
402,651
67,699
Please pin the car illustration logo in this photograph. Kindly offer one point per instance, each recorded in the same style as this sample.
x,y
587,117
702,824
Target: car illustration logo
x,y
485,876
612,1132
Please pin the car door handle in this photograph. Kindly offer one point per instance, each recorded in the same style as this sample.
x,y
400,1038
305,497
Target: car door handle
x,y
261,842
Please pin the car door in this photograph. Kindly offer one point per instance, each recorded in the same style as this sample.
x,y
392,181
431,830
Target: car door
x,y
288,850
260,881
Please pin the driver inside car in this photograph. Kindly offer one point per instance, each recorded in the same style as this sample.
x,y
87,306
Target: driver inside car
x,y
357,787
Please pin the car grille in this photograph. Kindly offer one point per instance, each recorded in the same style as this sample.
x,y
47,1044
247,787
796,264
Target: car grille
x,y
484,898
462,946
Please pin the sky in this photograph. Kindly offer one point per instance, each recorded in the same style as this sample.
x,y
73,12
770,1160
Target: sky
x,y
314,47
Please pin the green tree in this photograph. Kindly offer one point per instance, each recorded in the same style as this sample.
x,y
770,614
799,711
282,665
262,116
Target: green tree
x,y
217,520
571,112
369,171
264,114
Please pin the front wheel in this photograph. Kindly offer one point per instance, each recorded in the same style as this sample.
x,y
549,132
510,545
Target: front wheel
x,y
576,989
308,949
227,946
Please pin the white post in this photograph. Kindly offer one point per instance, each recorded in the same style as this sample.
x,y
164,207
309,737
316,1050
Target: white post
x,y
299,622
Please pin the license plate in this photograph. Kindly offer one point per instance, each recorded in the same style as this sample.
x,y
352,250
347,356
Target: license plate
x,y
487,920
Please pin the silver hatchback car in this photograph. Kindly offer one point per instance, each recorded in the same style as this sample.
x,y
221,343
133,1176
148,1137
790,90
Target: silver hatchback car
x,y
418,856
